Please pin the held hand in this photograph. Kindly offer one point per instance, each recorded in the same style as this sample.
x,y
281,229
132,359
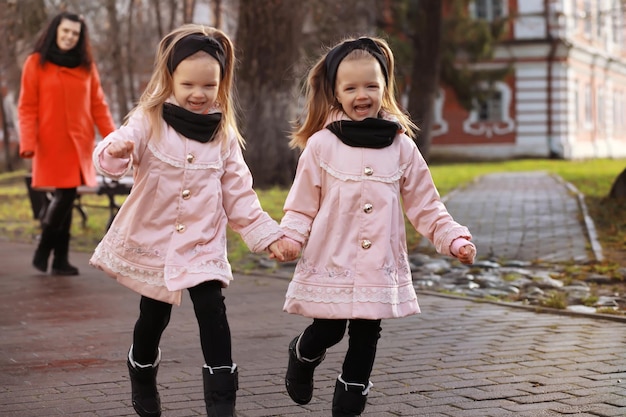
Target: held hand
x,y
467,254
121,149
276,252
288,248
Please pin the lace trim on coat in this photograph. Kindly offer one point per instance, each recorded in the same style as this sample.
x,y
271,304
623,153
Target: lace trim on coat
x,y
118,266
213,268
363,177
180,164
349,295
319,274
297,227
115,240
260,237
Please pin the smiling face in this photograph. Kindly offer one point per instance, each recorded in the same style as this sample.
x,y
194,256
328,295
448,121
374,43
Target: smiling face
x,y
196,82
68,34
359,87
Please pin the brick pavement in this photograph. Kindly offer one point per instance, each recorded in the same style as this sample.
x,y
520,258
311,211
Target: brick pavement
x,y
63,342
527,216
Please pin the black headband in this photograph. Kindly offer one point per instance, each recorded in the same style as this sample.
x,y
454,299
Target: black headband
x,y
191,44
339,52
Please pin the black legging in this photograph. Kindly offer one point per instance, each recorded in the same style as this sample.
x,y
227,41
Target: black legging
x,y
208,304
363,339
58,215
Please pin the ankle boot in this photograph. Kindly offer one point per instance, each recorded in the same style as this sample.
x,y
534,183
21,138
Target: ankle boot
x,y
220,390
47,242
299,378
145,396
349,398
60,263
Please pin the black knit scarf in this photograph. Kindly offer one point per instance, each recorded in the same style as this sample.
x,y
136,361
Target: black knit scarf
x,y
69,59
200,127
368,133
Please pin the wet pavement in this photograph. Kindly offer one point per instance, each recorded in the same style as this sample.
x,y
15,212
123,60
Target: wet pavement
x,y
63,344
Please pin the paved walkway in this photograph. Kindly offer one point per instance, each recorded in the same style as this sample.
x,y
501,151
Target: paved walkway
x,y
63,342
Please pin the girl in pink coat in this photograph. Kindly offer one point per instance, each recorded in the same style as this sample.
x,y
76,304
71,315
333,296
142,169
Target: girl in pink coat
x,y
358,173
190,182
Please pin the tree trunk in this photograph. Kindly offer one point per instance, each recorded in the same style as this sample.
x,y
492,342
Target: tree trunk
x,y
116,59
618,190
268,47
20,22
426,38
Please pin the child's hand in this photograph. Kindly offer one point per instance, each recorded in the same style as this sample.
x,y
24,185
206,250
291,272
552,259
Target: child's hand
x,y
467,254
121,149
284,249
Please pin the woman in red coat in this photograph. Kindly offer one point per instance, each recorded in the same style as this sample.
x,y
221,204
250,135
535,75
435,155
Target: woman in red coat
x,y
61,100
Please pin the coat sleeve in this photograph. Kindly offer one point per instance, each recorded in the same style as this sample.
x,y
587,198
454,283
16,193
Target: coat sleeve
x,y
424,208
99,107
304,198
241,203
28,106
136,129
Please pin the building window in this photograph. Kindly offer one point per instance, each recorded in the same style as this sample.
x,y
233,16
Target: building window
x,y
490,109
489,9
588,104
490,116
576,105
587,18
618,23
600,113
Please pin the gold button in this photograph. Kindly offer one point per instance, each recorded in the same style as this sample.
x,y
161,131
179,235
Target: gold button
x,y
190,157
368,208
186,194
366,244
180,228
368,171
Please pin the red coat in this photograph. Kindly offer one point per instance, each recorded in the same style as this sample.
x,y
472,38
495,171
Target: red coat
x,y
58,109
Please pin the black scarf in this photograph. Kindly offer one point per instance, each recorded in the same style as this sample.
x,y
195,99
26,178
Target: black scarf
x,y
69,59
368,133
200,127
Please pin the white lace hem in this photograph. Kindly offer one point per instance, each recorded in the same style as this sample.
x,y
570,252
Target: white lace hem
x,y
349,295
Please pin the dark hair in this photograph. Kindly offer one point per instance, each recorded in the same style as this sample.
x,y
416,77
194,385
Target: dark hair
x,y
47,39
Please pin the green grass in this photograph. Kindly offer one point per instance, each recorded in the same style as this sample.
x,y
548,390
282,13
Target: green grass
x,y
593,178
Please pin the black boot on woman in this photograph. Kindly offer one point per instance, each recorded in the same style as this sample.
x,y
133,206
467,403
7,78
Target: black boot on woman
x,y
299,378
145,397
220,390
61,264
350,398
47,242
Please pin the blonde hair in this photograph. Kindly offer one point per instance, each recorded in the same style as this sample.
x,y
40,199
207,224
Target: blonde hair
x,y
160,86
321,102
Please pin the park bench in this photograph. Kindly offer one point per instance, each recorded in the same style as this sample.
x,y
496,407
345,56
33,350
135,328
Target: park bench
x,y
40,197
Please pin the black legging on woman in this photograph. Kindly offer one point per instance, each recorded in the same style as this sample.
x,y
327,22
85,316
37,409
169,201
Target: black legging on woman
x,y
208,304
363,338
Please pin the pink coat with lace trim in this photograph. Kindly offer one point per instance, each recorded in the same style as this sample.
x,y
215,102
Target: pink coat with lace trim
x,y
346,207
170,233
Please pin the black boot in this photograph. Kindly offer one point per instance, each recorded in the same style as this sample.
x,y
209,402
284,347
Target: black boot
x,y
60,263
47,242
299,378
350,398
220,390
145,397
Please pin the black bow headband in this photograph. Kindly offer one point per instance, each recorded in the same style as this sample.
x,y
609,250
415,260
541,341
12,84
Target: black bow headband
x,y
191,44
339,52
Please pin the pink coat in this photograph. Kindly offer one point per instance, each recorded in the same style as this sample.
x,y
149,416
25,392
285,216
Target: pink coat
x,y
346,207
170,233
